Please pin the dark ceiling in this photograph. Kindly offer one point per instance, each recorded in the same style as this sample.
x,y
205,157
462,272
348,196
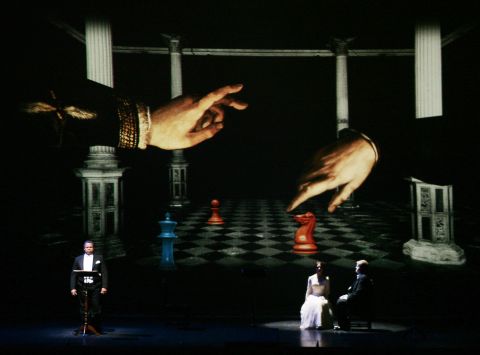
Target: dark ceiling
x,y
265,24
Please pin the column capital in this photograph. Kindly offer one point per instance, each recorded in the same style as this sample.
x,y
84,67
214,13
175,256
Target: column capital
x,y
173,42
101,157
340,45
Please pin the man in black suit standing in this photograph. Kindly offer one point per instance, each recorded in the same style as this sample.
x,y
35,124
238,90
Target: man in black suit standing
x,y
94,285
358,298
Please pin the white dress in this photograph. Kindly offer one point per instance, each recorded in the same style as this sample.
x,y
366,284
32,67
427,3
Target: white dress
x,y
316,311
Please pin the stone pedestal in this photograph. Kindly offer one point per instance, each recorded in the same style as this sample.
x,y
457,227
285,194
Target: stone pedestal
x,y
178,179
432,225
102,192
436,253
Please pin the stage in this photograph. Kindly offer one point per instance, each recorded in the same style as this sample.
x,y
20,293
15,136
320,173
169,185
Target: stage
x,y
239,287
148,334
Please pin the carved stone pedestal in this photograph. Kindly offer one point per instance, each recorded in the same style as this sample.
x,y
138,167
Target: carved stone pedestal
x,y
432,225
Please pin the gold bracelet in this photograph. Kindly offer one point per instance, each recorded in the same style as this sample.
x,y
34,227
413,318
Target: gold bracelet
x,y
144,124
128,133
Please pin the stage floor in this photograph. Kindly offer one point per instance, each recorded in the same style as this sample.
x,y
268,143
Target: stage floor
x,y
131,335
240,286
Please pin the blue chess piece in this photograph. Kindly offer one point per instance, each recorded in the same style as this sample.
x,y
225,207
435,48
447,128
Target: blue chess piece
x,y
167,227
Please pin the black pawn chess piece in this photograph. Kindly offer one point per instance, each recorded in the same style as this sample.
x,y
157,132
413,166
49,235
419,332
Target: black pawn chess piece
x,y
215,218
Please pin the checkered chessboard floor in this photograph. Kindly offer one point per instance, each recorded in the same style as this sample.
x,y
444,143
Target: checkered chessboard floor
x,y
260,232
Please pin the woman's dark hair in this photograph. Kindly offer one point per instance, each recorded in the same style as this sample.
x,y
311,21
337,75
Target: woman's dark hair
x,y
320,270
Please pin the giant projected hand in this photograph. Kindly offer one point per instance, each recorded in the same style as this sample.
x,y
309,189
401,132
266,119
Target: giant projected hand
x,y
345,163
185,121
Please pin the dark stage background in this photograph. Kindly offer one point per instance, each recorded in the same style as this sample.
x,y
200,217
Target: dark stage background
x,y
259,154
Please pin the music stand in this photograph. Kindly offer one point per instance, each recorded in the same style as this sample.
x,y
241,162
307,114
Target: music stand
x,y
85,326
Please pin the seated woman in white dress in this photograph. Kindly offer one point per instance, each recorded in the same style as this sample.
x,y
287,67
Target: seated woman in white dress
x,y
316,311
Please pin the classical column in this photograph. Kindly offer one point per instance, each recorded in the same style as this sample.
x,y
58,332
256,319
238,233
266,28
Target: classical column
x,y
178,166
340,47
101,176
98,43
428,69
176,87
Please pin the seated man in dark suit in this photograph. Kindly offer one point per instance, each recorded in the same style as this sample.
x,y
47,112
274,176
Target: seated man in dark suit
x,y
358,299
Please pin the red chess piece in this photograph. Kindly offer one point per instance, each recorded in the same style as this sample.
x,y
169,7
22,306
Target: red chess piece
x,y
215,218
304,242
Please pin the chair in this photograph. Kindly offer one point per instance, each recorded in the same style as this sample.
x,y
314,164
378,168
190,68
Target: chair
x,y
362,318
360,322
